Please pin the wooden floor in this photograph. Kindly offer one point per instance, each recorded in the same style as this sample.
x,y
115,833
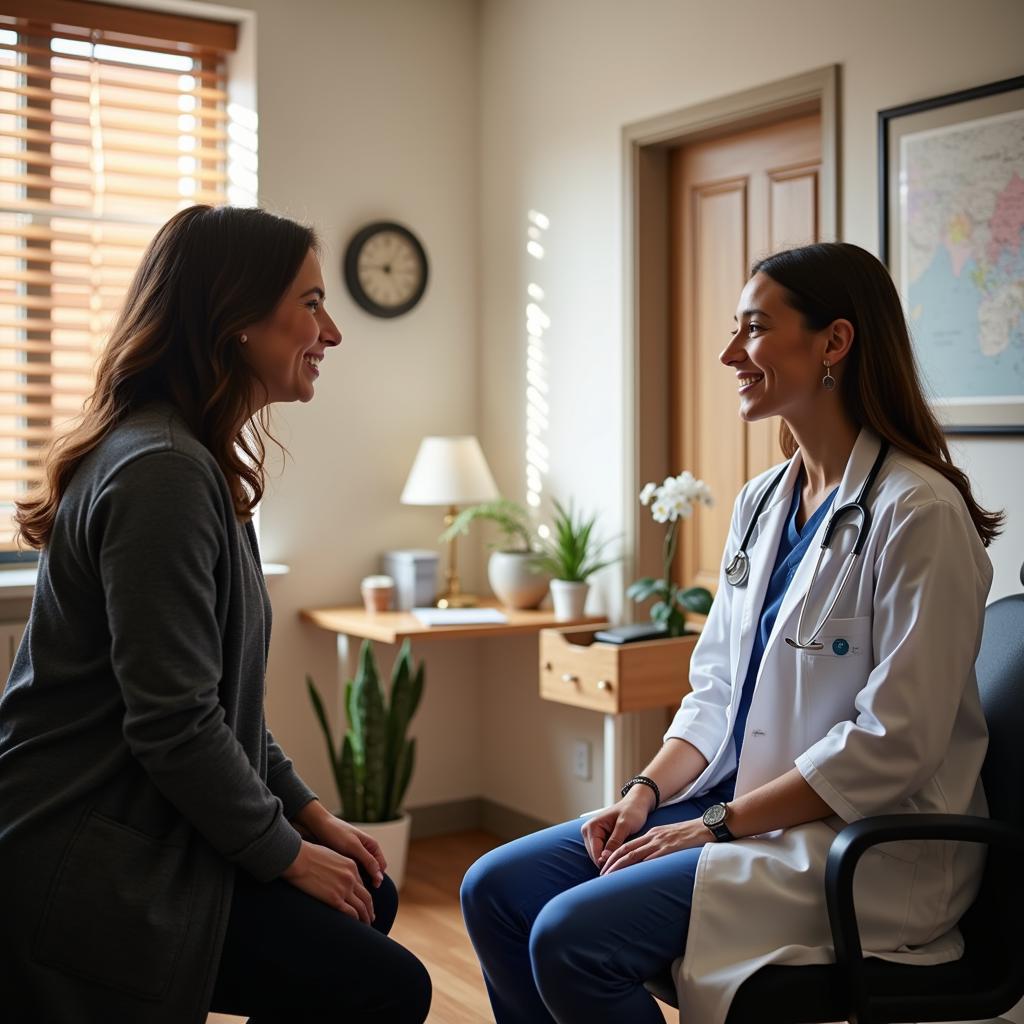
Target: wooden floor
x,y
430,924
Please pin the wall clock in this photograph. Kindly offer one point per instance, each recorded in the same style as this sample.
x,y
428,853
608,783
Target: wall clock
x,y
386,269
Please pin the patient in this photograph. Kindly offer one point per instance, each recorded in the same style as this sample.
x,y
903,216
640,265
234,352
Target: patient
x,y
158,853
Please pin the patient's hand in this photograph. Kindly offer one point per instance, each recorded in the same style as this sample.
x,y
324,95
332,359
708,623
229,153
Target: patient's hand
x,y
315,823
331,878
605,832
657,842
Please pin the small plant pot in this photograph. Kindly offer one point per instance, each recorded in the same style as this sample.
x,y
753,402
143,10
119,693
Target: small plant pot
x,y
569,599
514,581
393,837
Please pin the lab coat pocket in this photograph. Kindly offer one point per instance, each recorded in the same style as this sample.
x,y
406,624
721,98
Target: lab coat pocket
x,y
845,640
118,908
829,679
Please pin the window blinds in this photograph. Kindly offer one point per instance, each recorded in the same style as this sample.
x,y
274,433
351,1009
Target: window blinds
x,y
111,120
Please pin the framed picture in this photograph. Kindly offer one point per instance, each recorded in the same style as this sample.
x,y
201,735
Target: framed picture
x,y
951,230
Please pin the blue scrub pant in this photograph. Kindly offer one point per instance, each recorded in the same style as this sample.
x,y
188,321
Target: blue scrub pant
x,y
558,943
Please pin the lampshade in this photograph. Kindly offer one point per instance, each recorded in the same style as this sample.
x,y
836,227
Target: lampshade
x,y
449,471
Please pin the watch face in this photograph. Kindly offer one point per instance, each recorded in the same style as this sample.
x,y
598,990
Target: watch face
x,y
386,269
714,815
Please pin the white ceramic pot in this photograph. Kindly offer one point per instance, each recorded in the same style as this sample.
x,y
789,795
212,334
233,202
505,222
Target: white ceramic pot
x,y
514,581
393,837
569,598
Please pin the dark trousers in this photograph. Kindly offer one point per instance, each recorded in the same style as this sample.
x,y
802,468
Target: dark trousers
x,y
290,959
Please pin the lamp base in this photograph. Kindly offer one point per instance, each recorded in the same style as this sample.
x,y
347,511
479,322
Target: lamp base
x,y
456,601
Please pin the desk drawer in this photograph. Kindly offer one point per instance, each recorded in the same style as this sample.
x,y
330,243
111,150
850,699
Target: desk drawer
x,y
570,673
613,678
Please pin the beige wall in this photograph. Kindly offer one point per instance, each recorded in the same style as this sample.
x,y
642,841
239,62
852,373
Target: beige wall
x,y
559,81
369,111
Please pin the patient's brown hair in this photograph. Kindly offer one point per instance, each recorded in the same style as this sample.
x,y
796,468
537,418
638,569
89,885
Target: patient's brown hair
x,y
208,273
880,384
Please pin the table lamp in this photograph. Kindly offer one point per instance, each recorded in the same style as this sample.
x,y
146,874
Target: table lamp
x,y
450,471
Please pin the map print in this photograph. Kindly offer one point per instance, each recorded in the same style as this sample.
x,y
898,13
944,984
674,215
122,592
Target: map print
x,y
962,218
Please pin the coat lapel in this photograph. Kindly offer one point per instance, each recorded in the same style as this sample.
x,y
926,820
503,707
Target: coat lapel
x,y
830,574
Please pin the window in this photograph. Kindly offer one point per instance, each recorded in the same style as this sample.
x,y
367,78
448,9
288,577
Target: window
x,y
111,120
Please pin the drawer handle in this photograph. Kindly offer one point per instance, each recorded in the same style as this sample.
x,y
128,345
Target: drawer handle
x,y
568,677
604,684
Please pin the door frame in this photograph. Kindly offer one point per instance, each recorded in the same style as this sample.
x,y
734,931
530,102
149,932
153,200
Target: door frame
x,y
646,234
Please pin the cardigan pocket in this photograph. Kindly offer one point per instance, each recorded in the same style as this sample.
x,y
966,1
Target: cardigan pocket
x,y
118,908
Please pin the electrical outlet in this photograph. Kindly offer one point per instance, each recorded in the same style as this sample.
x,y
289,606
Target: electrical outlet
x,y
581,760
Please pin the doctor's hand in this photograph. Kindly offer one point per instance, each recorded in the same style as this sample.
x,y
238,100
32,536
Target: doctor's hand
x,y
317,824
332,879
657,842
606,831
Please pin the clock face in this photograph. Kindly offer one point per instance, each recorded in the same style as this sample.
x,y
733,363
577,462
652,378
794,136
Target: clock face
x,y
386,269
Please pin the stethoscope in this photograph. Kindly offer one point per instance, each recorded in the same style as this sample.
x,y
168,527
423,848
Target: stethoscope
x,y
738,569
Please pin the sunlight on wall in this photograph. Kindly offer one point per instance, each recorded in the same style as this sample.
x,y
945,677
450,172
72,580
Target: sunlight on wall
x,y
243,163
537,322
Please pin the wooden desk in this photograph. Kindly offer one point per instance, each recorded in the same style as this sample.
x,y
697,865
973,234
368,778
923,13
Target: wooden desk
x,y
394,627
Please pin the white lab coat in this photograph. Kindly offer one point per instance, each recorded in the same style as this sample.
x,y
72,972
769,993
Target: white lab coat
x,y
893,726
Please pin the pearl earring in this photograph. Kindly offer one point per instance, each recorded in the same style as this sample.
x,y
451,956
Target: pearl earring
x,y
828,382
244,338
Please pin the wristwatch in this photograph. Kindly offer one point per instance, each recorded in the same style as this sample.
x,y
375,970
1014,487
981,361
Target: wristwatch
x,y
714,819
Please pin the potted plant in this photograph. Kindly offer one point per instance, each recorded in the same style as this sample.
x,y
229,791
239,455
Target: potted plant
x,y
512,570
670,503
572,554
375,761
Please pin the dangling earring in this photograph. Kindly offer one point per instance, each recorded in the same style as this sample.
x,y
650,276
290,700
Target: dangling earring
x,y
828,382
245,337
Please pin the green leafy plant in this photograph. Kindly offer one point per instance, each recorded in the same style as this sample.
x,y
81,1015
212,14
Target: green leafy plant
x,y
509,516
374,764
671,502
572,552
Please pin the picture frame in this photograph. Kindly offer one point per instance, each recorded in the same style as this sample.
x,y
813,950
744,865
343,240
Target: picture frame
x,y
951,231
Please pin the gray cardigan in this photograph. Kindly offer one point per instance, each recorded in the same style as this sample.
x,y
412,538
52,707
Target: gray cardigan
x,y
136,769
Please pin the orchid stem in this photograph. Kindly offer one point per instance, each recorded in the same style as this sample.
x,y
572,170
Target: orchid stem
x,y
670,554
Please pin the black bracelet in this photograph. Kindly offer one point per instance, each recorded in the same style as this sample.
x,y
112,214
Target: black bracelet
x,y
642,780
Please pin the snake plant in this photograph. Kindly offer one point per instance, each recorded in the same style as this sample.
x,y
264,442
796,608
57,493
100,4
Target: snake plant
x,y
374,764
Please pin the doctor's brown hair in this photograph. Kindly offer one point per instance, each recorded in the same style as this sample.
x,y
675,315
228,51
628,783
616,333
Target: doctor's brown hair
x,y
208,274
880,384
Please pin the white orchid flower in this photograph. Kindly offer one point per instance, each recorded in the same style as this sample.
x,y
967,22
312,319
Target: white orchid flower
x,y
674,499
679,505
671,488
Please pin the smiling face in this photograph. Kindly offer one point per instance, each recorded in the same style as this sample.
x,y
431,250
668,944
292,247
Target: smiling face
x,y
778,361
285,350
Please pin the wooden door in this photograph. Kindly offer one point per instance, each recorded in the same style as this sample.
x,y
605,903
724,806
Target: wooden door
x,y
733,199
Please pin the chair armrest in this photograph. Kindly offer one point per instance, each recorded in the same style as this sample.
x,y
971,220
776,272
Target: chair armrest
x,y
855,840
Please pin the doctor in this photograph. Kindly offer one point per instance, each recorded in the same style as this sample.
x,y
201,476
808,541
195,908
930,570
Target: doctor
x,y
826,686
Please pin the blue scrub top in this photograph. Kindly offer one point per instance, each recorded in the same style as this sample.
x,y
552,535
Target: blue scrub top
x,y
792,547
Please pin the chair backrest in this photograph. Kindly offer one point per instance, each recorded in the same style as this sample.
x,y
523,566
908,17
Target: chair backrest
x,y
991,928
1000,668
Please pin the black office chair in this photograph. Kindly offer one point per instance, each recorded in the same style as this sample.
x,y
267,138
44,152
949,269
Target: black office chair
x,y
989,979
